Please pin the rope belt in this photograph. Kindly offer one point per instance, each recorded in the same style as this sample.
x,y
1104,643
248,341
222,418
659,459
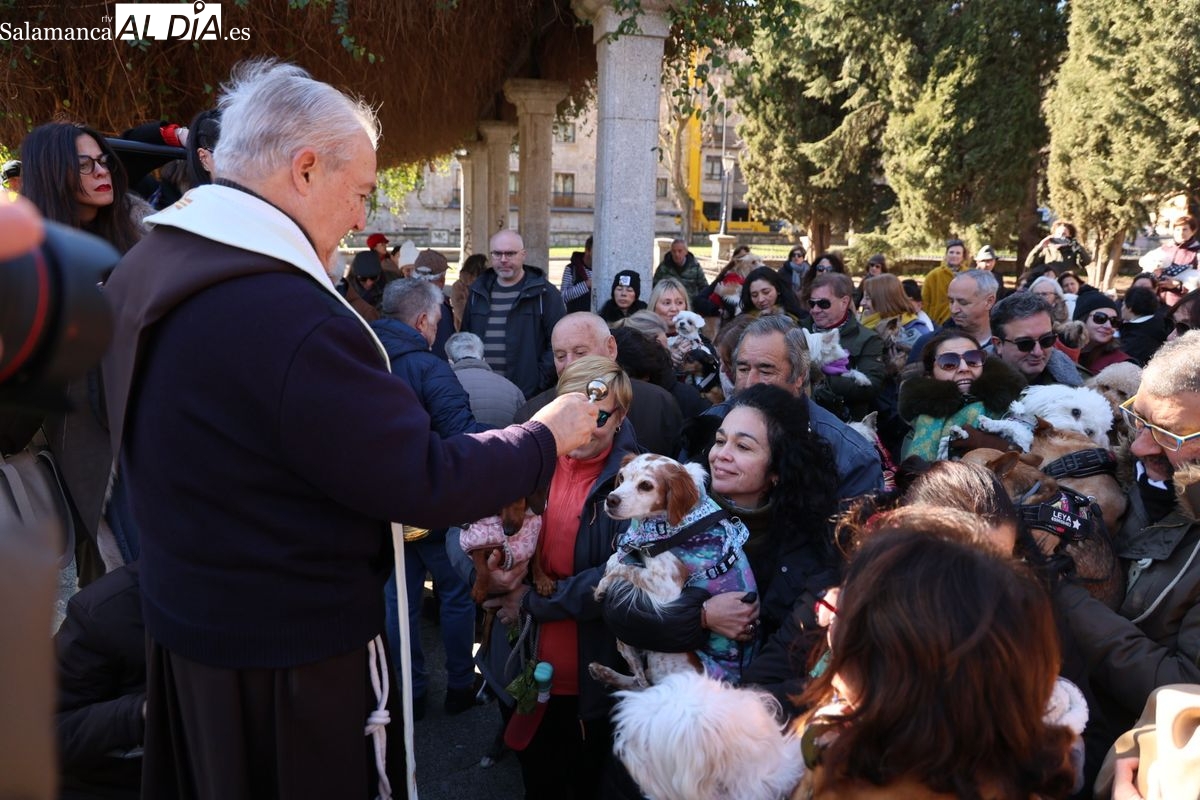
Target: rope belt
x,y
378,719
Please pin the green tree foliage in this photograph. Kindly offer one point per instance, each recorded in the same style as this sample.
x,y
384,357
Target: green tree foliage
x,y
1124,105
945,97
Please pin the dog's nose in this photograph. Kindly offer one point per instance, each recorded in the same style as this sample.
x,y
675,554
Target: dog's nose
x,y
612,501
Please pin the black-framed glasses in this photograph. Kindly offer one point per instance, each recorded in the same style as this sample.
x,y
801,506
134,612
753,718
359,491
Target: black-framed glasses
x,y
87,164
949,361
1026,343
1183,327
499,254
602,418
1100,318
822,304
1162,437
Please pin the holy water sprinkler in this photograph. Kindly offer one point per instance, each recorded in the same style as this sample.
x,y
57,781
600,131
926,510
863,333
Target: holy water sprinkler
x,y
597,390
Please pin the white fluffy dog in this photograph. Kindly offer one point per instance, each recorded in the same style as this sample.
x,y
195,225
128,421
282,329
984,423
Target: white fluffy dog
x,y
1065,407
826,351
695,738
688,325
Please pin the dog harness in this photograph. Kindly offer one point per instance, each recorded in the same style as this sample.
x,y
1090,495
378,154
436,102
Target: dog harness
x,y
1082,464
652,537
1072,517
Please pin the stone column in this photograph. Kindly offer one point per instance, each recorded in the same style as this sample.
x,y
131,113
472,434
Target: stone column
x,y
629,78
474,200
537,103
497,136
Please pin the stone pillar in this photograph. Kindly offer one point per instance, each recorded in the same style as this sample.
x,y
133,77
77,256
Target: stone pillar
x,y
537,103
629,77
497,136
474,200
722,246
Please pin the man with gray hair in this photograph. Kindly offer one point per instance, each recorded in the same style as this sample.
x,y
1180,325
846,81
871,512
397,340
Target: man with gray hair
x,y
971,296
264,447
494,398
680,264
1153,637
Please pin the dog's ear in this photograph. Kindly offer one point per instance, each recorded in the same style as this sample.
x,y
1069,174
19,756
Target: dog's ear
x,y
1041,426
1032,459
680,491
1003,464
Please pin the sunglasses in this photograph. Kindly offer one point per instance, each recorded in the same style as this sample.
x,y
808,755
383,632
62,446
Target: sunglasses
x,y
823,267
1163,437
1171,290
1100,318
822,304
949,361
602,418
1026,343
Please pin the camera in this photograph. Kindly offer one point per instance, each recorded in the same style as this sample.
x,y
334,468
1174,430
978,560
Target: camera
x,y
55,323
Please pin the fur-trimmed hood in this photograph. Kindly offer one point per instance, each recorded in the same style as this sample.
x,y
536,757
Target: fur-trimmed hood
x,y
997,386
1187,489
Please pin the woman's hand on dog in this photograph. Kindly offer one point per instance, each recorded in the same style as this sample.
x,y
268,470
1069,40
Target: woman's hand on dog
x,y
508,606
502,581
728,615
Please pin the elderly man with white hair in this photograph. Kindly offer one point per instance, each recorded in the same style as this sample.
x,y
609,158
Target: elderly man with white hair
x,y
264,447
1153,637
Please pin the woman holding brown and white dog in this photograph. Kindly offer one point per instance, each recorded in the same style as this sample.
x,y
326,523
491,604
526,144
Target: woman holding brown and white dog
x,y
572,749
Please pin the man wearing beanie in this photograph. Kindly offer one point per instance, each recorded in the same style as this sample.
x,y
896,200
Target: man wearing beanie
x,y
1098,312
363,287
430,265
624,297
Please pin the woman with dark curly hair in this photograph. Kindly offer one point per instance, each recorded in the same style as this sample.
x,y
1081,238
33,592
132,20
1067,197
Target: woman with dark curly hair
x,y
762,465
826,262
74,178
910,704
767,292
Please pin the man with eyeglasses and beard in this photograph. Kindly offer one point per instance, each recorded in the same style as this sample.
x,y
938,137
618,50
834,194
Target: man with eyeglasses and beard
x,y
1153,637
1023,335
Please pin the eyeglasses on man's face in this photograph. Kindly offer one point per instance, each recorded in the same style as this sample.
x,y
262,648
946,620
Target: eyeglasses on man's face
x,y
1162,437
821,303
87,164
504,254
1026,343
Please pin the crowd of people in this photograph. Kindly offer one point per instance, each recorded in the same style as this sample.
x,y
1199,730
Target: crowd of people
x,y
926,628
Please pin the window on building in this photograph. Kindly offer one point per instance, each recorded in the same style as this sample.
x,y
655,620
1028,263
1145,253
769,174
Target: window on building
x,y
564,132
660,187
514,182
564,189
712,168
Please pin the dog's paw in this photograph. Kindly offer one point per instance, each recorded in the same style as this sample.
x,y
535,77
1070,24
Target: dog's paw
x,y
858,377
545,585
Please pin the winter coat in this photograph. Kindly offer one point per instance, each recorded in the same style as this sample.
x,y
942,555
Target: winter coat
x,y
440,393
1059,369
1062,255
573,596
364,304
612,313
933,406
934,300
691,275
101,653
1140,339
1096,360
1153,639
530,362
494,398
576,293
866,355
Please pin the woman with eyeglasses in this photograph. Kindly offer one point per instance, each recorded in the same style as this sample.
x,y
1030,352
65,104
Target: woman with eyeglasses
x,y
1185,316
958,385
74,178
1098,312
